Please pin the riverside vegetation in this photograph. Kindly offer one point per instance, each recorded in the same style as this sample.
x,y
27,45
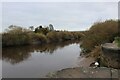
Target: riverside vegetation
x,y
99,33
90,43
16,36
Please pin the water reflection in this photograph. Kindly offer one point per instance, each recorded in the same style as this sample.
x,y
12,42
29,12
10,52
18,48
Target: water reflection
x,y
16,55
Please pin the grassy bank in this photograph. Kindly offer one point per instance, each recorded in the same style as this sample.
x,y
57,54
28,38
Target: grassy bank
x,y
16,36
99,33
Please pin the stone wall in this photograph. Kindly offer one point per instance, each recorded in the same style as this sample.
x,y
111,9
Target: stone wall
x,y
110,56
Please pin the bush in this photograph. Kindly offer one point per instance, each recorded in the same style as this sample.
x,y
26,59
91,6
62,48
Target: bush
x,y
53,36
62,36
15,36
39,38
41,30
99,33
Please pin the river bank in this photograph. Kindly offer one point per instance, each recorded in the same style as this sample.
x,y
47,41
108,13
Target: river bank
x,y
35,61
47,58
86,72
18,36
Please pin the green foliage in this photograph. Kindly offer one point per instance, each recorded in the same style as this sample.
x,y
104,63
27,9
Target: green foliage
x,y
117,40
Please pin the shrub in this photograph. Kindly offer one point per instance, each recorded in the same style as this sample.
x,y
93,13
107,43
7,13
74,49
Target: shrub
x,y
41,30
99,33
39,38
53,36
56,36
15,36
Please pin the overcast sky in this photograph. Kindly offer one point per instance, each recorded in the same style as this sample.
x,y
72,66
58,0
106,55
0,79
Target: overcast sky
x,y
71,16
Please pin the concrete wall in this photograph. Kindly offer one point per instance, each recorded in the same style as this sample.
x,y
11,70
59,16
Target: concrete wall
x,y
110,56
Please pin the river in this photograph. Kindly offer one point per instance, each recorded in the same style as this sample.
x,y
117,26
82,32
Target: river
x,y
36,61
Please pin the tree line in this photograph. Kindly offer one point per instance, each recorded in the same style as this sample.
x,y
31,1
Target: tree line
x,y
16,35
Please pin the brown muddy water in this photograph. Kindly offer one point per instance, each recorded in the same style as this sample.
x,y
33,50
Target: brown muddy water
x,y
36,61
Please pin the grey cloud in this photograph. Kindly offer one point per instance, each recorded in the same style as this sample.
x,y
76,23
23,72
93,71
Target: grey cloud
x,y
69,16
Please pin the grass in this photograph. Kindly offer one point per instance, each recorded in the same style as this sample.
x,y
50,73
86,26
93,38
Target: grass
x,y
117,41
